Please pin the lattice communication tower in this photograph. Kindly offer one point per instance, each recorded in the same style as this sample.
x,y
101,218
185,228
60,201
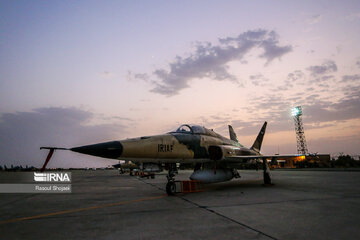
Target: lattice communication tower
x,y
296,112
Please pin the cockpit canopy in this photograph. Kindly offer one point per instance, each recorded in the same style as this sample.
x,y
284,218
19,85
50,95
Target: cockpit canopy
x,y
195,129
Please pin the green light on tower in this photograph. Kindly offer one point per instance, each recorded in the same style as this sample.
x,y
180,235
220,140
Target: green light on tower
x,y
296,111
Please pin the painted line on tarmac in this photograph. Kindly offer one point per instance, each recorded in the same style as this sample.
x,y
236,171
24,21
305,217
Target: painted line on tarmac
x,y
81,209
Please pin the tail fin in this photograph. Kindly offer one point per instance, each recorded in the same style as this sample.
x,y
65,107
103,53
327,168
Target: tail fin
x,y
257,144
232,134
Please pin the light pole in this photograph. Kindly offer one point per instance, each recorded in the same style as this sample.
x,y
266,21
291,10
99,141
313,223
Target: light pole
x,y
296,112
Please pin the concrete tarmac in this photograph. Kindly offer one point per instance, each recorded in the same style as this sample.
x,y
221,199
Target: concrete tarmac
x,y
106,205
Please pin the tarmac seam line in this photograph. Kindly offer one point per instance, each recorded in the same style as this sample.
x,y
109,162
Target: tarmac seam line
x,y
153,185
213,211
228,218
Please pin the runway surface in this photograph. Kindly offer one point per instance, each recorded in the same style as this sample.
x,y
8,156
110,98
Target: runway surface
x,y
106,205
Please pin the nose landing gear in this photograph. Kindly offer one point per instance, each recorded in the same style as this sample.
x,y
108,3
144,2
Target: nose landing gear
x,y
171,186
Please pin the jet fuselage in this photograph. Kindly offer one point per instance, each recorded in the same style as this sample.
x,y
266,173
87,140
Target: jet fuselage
x,y
178,146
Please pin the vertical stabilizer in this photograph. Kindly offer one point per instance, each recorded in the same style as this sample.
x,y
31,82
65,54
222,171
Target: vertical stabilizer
x,y
257,144
232,134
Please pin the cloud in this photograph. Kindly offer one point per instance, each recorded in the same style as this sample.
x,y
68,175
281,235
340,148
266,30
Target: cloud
x,y
107,75
358,62
141,76
271,101
352,17
322,81
258,79
322,111
315,112
351,78
137,76
320,75
121,118
312,98
210,61
22,133
314,19
275,107
295,76
272,50
328,66
351,91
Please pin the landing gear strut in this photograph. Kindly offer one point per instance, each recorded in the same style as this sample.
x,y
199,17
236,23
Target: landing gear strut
x,y
267,178
171,186
236,173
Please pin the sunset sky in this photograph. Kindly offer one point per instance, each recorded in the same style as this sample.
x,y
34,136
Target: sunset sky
x,y
80,72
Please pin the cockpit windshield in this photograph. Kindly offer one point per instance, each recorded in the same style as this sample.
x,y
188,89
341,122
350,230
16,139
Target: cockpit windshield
x,y
184,128
196,129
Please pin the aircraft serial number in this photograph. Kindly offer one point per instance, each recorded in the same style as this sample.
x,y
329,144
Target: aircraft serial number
x,y
165,148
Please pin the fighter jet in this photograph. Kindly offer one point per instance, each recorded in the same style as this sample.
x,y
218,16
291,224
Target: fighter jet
x,y
216,158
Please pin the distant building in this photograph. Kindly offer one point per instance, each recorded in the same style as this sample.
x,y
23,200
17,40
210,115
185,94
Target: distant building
x,y
320,160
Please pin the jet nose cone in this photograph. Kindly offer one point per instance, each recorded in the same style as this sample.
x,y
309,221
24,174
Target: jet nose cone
x,y
106,150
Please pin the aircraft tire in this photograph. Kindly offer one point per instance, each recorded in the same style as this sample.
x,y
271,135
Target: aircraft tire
x,y
171,188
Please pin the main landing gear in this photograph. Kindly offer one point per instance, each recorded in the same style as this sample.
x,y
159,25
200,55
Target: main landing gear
x,y
267,178
171,186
